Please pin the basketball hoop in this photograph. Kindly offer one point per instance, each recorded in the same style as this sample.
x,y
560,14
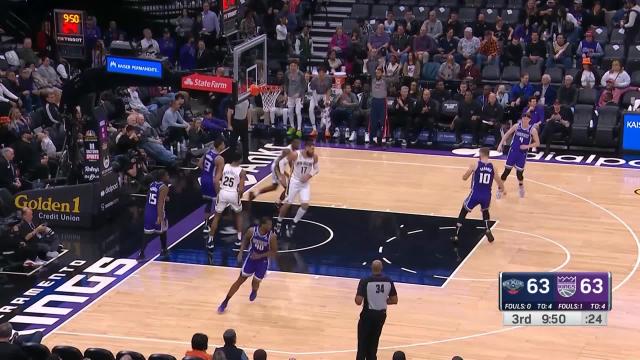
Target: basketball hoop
x,y
269,95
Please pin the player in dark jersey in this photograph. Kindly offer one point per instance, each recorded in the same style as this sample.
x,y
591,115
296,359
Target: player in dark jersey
x,y
525,137
211,165
481,182
155,221
262,244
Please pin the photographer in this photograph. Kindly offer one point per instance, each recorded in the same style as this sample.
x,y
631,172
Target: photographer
x,y
129,157
9,350
39,239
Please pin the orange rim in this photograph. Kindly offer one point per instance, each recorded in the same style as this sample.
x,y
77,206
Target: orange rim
x,y
269,88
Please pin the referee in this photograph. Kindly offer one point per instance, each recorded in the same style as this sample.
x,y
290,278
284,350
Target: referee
x,y
375,292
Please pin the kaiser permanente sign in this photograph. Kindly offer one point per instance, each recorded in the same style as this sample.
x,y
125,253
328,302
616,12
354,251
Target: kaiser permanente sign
x,y
208,83
132,66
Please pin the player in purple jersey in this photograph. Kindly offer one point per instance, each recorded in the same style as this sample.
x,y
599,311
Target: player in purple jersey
x,y
262,244
525,137
155,221
481,182
211,165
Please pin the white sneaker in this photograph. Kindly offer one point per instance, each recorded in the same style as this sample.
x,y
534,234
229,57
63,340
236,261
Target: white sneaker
x,y
52,254
39,262
336,134
499,195
352,137
521,191
375,139
366,137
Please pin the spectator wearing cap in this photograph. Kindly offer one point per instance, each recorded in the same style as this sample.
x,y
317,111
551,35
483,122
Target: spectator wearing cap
x,y
589,48
558,120
559,53
199,346
546,92
488,51
586,78
567,93
230,350
468,46
433,25
535,52
167,46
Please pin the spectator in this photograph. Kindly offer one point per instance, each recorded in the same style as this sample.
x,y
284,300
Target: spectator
x,y
44,39
173,123
378,115
17,124
98,55
424,45
440,93
468,118
167,46
480,27
586,78
484,98
433,25
535,52
333,62
345,106
392,71
318,86
204,57
468,46
8,350
7,100
148,44
199,346
282,35
589,48
401,115
488,51
568,93
92,33
379,41
219,355
26,53
150,141
8,177
38,237
411,68
49,73
29,94
26,153
547,93
390,23
230,350
546,15
512,53
184,25
356,54
503,96
365,28
248,27
447,45
631,27
621,79
491,118
425,115
501,33
400,44
113,33
558,121
566,24
521,92
304,47
260,354
470,72
535,110
559,53
461,92
210,24
411,25
187,60
455,24
339,42
594,17
449,70
295,88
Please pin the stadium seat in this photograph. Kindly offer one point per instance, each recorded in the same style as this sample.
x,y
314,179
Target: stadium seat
x,y
515,4
496,4
448,111
478,4
349,24
633,59
161,357
582,118
511,74
611,52
511,16
587,96
387,2
490,15
626,98
450,3
635,78
134,355
572,72
420,12
617,37
557,74
534,73
606,127
379,11
601,35
429,71
98,354
398,10
491,74
67,352
360,11
442,13
36,351
467,15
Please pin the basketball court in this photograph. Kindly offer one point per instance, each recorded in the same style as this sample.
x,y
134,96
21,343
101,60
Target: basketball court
x,y
396,206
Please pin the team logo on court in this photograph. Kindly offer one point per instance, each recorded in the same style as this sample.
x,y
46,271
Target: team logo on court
x,y
637,191
513,286
566,286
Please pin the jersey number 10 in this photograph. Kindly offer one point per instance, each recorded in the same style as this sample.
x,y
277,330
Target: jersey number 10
x,y
484,178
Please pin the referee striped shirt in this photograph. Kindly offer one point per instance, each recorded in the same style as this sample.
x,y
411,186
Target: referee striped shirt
x,y
375,290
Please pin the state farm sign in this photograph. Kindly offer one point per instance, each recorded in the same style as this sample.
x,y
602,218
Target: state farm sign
x,y
208,83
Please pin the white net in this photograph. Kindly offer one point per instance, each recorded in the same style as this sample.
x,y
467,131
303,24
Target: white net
x,y
269,95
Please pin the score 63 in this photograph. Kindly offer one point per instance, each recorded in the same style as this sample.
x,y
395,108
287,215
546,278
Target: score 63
x,y
587,286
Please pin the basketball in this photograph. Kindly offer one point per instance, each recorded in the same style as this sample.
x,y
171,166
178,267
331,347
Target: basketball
x,y
254,90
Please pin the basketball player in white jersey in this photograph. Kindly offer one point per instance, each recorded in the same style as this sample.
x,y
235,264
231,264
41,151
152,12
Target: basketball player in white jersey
x,y
279,174
305,166
229,187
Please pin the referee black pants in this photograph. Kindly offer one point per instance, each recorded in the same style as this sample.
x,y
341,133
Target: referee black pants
x,y
369,330
241,129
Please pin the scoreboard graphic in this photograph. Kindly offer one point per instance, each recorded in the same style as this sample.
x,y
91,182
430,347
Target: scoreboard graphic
x,y
69,32
555,299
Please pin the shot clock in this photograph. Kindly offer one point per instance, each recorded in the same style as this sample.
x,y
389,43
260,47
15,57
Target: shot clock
x,y
69,35
555,299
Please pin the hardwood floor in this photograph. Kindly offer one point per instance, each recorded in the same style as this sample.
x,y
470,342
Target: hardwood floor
x,y
591,212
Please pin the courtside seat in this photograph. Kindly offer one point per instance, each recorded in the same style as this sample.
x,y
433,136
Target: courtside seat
x,y
442,13
98,354
496,4
490,14
633,59
607,127
626,98
491,74
617,37
611,52
67,352
36,351
134,355
467,15
557,74
379,12
587,96
360,11
511,16
581,128
511,74
534,73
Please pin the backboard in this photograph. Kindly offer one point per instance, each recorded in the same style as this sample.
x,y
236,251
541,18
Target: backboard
x,y
250,65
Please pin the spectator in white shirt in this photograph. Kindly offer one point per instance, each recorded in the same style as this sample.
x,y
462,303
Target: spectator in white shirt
x,y
148,44
8,97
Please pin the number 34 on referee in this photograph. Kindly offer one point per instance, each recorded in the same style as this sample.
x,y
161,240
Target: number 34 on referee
x,y
375,292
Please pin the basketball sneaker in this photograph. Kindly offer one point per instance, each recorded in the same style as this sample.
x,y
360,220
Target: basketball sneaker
x,y
336,134
366,138
521,191
140,257
164,254
253,295
314,133
222,307
210,243
499,194
489,235
352,138
299,133
454,239
290,229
